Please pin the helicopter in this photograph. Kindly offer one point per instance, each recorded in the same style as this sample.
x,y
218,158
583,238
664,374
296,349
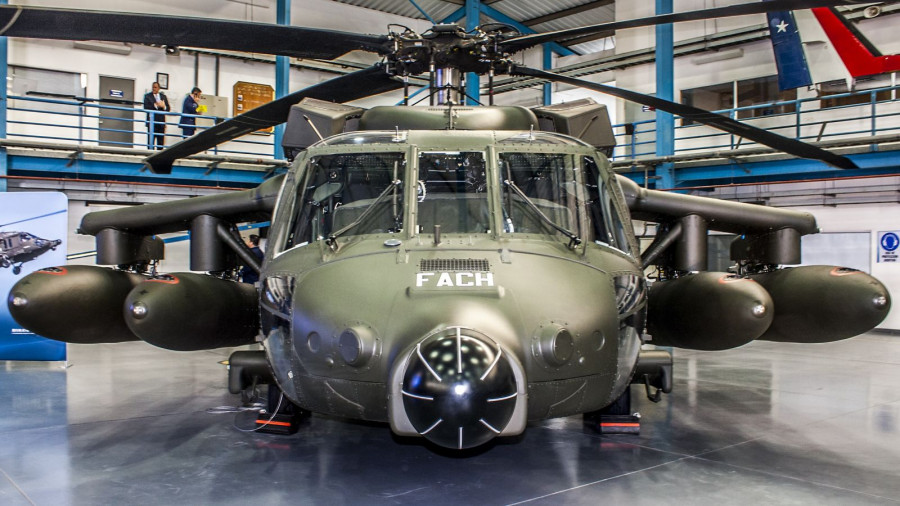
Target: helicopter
x,y
16,248
453,271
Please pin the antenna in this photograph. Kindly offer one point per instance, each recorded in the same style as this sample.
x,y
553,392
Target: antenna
x,y
316,130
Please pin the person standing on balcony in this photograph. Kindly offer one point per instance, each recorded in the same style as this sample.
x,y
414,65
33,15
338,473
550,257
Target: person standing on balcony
x,y
191,106
156,122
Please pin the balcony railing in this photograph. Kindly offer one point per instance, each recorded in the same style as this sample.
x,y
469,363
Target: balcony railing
x,y
90,122
86,121
872,115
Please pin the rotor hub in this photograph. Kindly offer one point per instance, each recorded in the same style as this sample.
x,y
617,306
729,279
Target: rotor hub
x,y
445,47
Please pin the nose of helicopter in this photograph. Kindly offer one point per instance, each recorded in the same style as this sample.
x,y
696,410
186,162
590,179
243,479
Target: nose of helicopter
x,y
459,390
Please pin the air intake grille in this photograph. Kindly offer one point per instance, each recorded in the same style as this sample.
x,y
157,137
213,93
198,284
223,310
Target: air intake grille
x,y
454,264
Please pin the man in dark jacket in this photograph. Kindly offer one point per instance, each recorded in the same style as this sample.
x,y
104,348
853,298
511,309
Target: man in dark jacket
x,y
191,105
249,275
156,122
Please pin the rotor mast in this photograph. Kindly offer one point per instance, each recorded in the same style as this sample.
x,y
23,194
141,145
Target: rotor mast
x,y
447,53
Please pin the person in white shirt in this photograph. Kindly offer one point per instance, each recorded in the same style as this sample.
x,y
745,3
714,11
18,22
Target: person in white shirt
x,y
156,122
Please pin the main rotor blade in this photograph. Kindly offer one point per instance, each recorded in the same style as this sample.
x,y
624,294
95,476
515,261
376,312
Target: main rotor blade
x,y
526,41
72,24
359,84
790,146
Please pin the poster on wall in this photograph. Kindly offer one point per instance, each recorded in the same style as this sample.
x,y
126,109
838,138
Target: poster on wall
x,y
249,96
888,246
33,229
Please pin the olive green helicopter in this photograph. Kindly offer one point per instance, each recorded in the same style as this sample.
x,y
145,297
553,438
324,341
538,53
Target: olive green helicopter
x,y
454,271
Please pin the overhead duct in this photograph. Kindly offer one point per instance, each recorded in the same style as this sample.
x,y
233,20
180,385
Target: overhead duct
x,y
728,54
103,47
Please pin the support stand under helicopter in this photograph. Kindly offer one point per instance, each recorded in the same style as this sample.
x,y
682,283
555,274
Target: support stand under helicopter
x,y
654,371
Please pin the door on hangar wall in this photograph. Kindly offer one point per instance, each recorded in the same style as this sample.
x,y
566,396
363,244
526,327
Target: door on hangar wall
x,y
117,125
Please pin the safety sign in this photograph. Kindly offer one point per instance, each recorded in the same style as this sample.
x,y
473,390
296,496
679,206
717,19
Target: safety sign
x,y
888,246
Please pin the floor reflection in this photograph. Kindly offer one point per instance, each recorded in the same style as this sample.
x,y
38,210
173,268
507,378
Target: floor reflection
x,y
766,423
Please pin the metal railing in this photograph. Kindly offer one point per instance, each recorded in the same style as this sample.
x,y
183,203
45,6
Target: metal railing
x,y
85,121
808,122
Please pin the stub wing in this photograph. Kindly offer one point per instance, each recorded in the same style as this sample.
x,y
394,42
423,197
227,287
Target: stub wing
x,y
126,235
763,299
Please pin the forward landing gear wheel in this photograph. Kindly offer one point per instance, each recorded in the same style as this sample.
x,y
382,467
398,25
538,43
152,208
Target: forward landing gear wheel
x,y
17,269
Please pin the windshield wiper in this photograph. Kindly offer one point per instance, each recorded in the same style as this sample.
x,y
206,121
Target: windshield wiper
x,y
574,240
332,238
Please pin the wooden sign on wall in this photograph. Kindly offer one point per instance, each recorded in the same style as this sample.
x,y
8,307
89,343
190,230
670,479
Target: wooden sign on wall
x,y
249,96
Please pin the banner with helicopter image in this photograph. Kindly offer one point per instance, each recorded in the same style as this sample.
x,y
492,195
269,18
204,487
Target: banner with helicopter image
x,y
33,229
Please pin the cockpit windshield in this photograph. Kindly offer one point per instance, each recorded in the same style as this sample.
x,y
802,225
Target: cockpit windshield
x,y
540,193
452,193
558,194
343,189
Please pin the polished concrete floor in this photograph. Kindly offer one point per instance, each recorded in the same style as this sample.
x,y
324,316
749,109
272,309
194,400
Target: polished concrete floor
x,y
766,424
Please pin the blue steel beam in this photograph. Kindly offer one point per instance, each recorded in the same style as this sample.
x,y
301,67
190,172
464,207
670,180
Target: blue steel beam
x,y
548,65
665,89
454,16
21,165
871,164
282,73
413,94
4,161
473,81
429,18
503,18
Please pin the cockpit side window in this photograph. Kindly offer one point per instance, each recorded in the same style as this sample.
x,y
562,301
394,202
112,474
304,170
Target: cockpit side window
x,y
452,192
544,182
601,225
338,189
608,227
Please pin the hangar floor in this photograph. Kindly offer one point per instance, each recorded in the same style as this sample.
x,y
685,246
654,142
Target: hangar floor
x,y
767,424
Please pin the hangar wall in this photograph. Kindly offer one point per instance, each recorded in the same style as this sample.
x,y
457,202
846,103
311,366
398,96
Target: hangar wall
x,y
144,62
757,59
